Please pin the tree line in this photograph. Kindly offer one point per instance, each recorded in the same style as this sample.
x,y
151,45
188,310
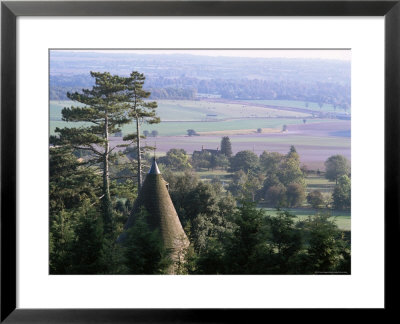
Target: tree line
x,y
183,76
238,89
274,179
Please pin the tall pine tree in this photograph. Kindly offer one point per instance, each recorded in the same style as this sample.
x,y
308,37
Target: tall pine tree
x,y
104,110
226,146
141,111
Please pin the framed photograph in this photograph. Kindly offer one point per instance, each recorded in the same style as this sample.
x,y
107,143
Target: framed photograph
x,y
180,160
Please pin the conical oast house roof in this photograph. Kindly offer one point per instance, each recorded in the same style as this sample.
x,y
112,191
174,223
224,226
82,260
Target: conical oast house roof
x,y
155,199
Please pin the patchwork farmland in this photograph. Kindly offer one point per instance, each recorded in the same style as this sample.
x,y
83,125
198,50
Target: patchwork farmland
x,y
314,138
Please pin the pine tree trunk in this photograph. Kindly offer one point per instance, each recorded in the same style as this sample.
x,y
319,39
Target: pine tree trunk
x,y
106,199
139,159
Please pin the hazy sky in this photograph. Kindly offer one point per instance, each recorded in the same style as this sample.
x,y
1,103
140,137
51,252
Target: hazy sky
x,y
340,54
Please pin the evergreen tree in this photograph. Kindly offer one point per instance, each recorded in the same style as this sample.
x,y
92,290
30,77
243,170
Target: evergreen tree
x,y
141,111
292,150
248,235
72,185
285,242
324,244
105,111
211,260
226,146
87,250
62,235
144,251
71,181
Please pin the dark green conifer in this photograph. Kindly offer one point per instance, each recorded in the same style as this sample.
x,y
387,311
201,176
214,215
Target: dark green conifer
x,y
103,111
140,111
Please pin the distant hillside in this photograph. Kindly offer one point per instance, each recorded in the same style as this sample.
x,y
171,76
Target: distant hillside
x,y
177,76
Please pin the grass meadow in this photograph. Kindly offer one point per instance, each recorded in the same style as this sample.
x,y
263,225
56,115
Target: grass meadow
x,y
179,116
299,104
341,218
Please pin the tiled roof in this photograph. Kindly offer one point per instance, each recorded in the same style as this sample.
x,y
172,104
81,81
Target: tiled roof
x,y
155,198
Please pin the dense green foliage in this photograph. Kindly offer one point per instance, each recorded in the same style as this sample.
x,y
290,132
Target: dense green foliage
x,y
77,241
105,109
243,160
315,199
284,182
259,244
245,186
203,208
209,159
336,166
176,159
226,146
144,251
342,193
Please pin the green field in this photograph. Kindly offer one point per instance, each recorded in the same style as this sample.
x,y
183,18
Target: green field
x,y
180,115
320,183
341,218
185,112
315,145
180,128
197,110
299,104
223,176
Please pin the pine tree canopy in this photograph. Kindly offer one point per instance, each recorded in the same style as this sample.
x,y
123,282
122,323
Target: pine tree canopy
x,y
104,111
139,108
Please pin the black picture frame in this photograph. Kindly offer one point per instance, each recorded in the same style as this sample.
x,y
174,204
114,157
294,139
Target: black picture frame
x,y
10,10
